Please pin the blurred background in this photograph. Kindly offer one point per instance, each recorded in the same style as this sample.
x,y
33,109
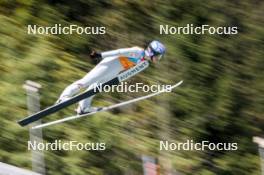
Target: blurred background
x,y
221,100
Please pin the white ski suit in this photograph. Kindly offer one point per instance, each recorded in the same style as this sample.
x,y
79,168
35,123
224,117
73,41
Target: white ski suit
x,y
112,64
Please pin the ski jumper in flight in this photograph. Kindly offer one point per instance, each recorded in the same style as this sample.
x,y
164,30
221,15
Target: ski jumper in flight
x,y
112,63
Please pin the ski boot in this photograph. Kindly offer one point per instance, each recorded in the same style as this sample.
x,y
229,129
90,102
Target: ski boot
x,y
87,110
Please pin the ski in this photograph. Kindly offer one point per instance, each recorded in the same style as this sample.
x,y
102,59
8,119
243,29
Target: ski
x,y
107,108
52,109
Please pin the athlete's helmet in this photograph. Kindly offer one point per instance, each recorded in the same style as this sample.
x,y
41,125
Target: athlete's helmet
x,y
155,48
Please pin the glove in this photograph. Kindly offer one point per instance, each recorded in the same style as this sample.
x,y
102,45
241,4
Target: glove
x,y
94,55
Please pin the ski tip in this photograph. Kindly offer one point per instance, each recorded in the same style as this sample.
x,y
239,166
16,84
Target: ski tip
x,y
177,84
174,86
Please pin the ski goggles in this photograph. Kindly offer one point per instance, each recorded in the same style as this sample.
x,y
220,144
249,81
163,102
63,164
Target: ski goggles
x,y
151,53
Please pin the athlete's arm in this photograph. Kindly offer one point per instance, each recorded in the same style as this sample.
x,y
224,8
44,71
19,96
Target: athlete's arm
x,y
120,52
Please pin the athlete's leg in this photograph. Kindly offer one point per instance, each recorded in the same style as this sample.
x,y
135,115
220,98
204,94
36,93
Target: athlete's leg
x,y
71,90
103,72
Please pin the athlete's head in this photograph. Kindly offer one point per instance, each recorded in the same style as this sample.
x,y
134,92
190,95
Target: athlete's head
x,y
154,51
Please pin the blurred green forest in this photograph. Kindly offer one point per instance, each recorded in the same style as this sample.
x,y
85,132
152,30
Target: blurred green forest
x,y
221,100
